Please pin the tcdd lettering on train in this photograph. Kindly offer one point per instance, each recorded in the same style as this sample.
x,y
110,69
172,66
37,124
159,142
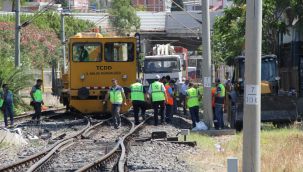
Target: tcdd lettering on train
x,y
104,67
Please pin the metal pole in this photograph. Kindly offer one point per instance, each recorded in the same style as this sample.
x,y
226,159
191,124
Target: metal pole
x,y
69,5
206,67
232,164
42,77
252,99
17,34
63,41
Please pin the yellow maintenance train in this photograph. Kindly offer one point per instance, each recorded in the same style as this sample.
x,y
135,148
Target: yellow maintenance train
x,y
94,61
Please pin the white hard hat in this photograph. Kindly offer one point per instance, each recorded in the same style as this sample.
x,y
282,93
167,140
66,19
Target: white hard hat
x,y
157,77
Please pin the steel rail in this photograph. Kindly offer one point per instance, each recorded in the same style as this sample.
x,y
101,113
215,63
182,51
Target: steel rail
x,y
111,156
30,113
117,154
125,146
46,160
27,162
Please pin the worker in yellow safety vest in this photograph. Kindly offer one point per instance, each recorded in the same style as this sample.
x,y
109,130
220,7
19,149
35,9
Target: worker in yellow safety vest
x,y
37,100
157,93
219,103
117,97
138,100
192,97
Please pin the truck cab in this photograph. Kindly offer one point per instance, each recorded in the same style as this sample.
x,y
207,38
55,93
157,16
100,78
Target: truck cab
x,y
162,65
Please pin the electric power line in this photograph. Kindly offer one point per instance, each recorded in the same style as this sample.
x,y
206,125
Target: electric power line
x,y
183,25
199,21
39,13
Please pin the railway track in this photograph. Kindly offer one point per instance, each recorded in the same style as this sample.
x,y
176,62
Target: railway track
x,y
74,153
116,157
24,164
95,148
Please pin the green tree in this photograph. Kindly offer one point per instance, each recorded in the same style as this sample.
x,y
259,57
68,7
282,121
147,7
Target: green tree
x,y
177,5
40,46
123,17
17,80
229,30
228,35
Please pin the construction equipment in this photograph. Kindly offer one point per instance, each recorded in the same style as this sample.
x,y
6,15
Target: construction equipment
x,y
277,106
94,61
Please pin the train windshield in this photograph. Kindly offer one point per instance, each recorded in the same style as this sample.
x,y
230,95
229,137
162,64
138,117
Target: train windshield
x,y
268,70
119,52
87,52
161,65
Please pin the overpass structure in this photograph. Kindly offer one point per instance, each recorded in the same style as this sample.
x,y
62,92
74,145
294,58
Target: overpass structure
x,y
179,28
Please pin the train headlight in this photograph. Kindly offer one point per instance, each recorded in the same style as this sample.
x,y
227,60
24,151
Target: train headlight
x,y
82,76
124,77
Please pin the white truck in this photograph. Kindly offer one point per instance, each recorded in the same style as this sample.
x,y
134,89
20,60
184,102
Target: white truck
x,y
162,65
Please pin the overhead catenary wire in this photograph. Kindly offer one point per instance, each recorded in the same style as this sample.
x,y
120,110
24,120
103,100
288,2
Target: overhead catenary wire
x,y
199,21
38,14
97,22
183,24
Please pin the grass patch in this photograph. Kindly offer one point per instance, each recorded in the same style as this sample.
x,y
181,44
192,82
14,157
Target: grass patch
x,y
204,142
281,151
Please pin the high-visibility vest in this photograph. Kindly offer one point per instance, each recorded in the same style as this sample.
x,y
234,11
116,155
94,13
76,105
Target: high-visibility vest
x,y
169,98
222,93
1,101
219,99
116,95
157,92
192,95
137,92
200,89
38,95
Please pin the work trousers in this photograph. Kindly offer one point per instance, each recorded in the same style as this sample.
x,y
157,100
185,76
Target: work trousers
x,y
37,108
139,105
158,105
216,122
116,115
8,112
175,106
183,103
194,113
219,115
168,113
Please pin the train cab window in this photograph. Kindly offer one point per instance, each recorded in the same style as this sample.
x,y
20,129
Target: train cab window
x,y
87,52
119,52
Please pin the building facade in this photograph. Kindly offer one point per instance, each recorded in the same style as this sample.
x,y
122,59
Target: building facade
x,y
152,5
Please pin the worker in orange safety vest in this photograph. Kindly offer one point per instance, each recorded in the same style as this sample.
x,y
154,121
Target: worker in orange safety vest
x,y
169,101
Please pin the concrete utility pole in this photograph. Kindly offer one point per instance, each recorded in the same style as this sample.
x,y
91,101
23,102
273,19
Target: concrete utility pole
x,y
252,99
63,41
17,33
206,67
